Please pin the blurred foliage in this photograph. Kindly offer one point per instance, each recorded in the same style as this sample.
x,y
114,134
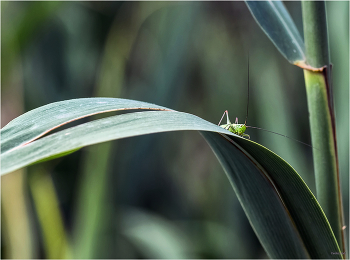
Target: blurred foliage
x,y
189,56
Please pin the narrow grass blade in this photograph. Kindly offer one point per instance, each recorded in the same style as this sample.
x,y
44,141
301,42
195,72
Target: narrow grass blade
x,y
261,179
110,128
276,22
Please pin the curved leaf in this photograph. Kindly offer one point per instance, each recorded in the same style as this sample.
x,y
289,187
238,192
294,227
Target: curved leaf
x,y
253,170
110,128
276,22
281,209
39,121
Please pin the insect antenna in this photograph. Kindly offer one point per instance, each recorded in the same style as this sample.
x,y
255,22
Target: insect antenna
x,y
246,117
245,122
283,136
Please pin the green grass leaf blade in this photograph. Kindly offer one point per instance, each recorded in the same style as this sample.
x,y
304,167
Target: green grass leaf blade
x,y
282,210
302,205
110,128
261,203
277,24
40,121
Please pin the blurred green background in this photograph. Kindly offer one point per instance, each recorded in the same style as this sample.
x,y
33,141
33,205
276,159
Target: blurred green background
x,y
162,195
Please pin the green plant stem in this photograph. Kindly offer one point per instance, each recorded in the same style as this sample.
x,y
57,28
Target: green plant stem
x,y
47,207
322,121
92,208
315,33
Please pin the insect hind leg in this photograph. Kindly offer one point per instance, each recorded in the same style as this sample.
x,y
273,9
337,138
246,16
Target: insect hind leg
x,y
226,112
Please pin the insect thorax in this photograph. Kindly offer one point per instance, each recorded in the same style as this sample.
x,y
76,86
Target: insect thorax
x,y
237,129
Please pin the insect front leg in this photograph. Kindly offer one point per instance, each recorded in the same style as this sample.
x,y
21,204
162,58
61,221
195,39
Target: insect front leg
x,y
236,121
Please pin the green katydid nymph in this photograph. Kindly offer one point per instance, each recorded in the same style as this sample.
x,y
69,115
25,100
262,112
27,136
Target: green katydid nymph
x,y
235,128
239,129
